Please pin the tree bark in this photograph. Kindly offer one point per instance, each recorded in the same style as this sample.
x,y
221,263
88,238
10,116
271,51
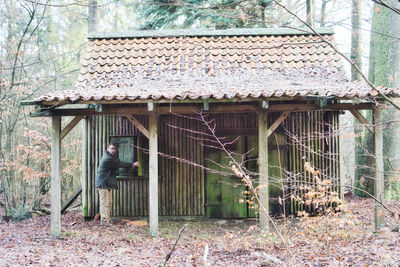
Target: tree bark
x,y
384,70
92,16
355,38
323,13
310,12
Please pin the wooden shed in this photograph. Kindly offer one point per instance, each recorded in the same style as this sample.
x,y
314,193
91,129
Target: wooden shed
x,y
265,88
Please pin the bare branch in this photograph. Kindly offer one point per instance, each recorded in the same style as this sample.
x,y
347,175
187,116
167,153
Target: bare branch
x,y
381,3
340,53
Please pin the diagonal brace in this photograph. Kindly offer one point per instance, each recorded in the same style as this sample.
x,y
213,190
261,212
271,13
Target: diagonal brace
x,y
362,120
138,125
278,121
70,126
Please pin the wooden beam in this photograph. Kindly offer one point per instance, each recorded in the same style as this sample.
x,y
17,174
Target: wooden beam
x,y
263,169
153,174
29,103
85,160
311,107
165,101
55,177
70,126
278,122
362,120
71,200
138,125
379,169
145,101
191,108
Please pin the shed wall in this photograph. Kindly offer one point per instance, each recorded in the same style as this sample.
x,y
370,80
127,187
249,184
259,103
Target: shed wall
x,y
311,136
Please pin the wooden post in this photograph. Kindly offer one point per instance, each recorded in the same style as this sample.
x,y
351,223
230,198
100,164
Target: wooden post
x,y
263,168
379,171
84,178
153,175
55,176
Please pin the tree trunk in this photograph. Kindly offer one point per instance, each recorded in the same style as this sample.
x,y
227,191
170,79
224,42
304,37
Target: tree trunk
x,y
358,128
323,13
92,16
384,69
115,22
355,38
310,12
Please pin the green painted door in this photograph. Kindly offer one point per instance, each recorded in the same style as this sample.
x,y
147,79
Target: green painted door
x,y
224,190
252,166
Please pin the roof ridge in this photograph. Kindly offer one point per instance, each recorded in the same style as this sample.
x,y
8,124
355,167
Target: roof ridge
x,y
208,32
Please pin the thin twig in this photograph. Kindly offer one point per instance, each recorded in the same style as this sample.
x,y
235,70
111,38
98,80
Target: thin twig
x,y
249,183
341,54
173,248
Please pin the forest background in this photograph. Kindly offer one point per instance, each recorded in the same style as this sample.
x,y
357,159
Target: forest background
x,y
41,43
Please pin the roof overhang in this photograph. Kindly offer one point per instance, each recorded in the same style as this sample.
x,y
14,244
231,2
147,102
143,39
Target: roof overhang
x,y
209,32
317,104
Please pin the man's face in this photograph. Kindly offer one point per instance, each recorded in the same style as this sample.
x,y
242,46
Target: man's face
x,y
112,150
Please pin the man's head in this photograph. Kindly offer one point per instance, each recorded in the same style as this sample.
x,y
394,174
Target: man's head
x,y
112,148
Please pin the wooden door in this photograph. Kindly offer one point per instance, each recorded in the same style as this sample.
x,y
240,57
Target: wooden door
x,y
223,189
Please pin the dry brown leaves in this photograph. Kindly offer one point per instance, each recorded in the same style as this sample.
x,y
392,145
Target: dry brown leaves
x,y
230,243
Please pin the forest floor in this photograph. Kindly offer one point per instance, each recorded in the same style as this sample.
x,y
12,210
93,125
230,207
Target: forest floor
x,y
345,240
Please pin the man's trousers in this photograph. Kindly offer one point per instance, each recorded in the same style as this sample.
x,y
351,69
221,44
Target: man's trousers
x,y
105,204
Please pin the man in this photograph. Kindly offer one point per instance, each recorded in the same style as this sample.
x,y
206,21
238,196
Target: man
x,y
106,180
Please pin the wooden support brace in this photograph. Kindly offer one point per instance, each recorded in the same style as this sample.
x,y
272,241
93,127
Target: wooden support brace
x,y
379,169
70,126
138,125
278,122
362,120
153,174
71,200
55,177
263,169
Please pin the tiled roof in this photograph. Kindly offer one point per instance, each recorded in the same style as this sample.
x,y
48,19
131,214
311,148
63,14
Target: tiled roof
x,y
151,65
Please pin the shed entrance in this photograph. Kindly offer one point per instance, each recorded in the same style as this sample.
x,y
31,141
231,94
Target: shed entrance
x,y
226,195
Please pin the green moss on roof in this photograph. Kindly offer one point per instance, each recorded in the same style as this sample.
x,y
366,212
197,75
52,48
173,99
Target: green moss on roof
x,y
207,32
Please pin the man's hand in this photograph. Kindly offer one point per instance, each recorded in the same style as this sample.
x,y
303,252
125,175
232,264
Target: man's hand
x,y
135,164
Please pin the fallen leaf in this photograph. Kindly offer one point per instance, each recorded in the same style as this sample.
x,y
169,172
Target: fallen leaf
x,y
138,223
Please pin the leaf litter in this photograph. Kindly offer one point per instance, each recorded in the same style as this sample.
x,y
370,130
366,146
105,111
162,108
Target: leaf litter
x,y
346,240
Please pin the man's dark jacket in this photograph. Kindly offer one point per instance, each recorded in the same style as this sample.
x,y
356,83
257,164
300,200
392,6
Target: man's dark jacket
x,y
107,171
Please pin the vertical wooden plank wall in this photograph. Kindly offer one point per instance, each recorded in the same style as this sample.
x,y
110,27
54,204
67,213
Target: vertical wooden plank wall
x,y
181,185
312,137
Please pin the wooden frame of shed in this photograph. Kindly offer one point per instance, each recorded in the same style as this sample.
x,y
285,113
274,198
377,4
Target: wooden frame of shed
x,y
285,95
